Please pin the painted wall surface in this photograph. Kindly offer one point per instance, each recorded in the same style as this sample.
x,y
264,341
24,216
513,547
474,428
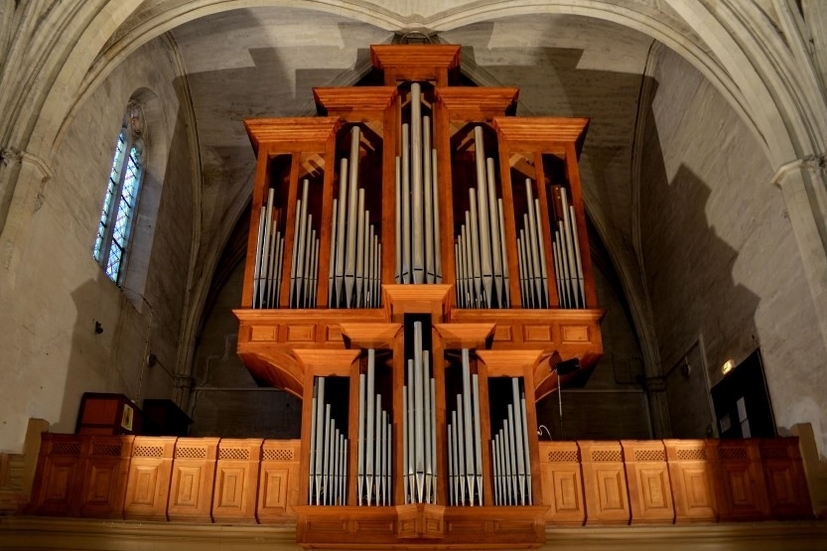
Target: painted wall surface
x,y
51,352
720,258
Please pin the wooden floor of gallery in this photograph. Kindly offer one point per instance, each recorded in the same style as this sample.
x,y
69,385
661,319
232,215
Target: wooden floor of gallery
x,y
38,533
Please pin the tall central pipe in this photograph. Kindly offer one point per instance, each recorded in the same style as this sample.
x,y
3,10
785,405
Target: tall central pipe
x,y
353,198
417,203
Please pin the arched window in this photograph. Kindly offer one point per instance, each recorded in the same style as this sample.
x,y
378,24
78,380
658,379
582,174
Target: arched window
x,y
122,194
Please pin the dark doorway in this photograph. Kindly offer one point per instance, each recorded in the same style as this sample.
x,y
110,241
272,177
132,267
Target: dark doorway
x,y
742,404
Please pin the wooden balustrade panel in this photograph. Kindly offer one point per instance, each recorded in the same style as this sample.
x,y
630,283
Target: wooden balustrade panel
x,y
150,472
562,482
58,479
647,474
278,486
742,491
692,475
193,478
787,490
104,480
236,480
604,482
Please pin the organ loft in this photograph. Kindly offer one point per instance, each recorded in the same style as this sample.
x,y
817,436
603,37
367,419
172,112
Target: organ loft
x,y
417,270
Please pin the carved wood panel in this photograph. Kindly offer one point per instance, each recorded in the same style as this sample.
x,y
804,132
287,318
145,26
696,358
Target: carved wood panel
x,y
236,480
59,475
650,492
787,491
692,474
278,487
742,491
104,478
150,472
562,482
604,480
193,477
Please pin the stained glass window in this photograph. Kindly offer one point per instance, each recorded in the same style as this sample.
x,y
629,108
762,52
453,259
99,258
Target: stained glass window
x,y
121,199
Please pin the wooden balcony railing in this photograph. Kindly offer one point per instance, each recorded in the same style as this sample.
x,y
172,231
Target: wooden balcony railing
x,y
256,481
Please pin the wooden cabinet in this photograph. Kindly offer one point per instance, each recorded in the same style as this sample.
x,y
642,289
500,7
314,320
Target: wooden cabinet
x,y
108,414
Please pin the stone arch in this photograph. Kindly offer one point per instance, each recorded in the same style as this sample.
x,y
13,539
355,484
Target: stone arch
x,y
703,42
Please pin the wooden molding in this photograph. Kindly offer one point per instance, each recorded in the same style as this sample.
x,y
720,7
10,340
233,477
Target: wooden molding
x,y
455,336
370,335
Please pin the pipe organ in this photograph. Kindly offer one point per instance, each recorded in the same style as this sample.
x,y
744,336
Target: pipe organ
x,y
417,265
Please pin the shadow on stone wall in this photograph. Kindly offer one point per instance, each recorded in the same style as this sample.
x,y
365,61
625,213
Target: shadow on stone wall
x,y
693,295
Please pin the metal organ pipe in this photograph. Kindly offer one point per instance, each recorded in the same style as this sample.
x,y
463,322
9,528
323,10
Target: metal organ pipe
x,y
353,215
542,249
417,201
269,247
568,262
355,256
496,243
437,232
420,422
328,452
398,222
465,450
374,449
472,222
360,247
298,248
577,260
262,217
304,268
506,286
428,193
332,264
483,220
534,244
484,280
405,199
512,463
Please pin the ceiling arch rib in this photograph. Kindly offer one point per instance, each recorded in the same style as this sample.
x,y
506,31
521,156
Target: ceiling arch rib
x,y
641,16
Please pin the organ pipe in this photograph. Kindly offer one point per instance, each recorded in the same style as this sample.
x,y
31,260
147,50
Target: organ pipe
x,y
355,250
568,262
465,452
482,280
419,420
269,250
374,455
510,452
417,226
328,452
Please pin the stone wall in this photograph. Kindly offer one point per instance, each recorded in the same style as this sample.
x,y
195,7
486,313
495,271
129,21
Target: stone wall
x,y
51,350
720,258
226,401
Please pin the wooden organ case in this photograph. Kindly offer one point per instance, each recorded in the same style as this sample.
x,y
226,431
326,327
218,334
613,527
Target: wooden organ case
x,y
417,266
